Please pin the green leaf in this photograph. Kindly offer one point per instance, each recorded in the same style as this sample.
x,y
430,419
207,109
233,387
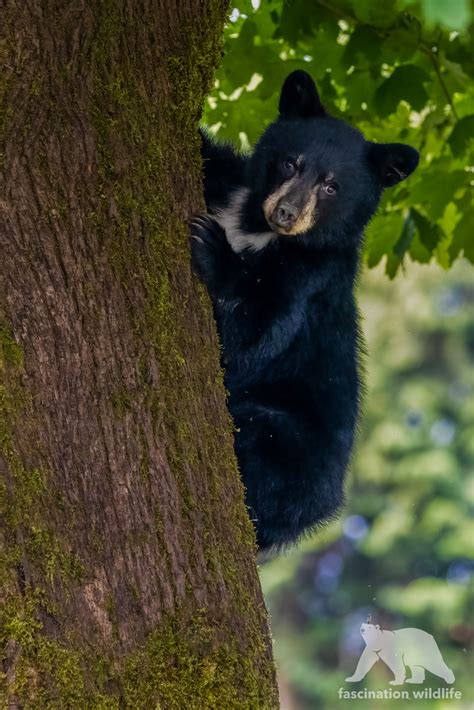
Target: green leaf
x,y
436,187
463,238
382,235
403,39
418,251
300,19
405,239
429,233
460,79
392,265
461,134
359,92
363,48
378,14
405,84
454,14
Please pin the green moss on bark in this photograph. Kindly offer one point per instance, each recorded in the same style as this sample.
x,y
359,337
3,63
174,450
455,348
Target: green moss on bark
x,y
178,667
11,354
183,668
148,193
189,660
26,489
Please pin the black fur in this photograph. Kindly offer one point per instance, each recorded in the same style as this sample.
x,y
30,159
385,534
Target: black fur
x,y
225,169
286,313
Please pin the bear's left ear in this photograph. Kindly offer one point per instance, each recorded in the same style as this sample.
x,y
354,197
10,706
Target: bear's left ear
x,y
393,162
299,97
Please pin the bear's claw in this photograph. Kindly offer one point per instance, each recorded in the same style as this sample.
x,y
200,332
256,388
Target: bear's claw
x,y
209,248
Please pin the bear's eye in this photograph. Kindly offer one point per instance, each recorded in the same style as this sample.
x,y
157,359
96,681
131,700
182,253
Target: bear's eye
x,y
289,166
331,188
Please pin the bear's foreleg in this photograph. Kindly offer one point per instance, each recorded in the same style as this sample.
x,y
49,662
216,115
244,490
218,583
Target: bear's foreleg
x,y
213,260
366,661
258,323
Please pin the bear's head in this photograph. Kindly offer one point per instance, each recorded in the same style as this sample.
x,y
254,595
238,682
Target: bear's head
x,y
372,636
316,177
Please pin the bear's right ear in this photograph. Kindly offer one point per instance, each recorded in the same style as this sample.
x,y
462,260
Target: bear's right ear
x,y
299,97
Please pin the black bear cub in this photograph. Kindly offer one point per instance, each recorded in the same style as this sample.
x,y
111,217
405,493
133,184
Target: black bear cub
x,y
279,257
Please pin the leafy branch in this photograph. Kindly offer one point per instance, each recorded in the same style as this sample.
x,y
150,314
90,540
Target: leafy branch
x,y
384,33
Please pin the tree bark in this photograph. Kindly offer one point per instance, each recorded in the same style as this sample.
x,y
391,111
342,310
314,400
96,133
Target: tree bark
x,y
128,574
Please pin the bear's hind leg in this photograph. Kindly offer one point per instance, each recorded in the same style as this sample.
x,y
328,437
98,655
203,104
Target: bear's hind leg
x,y
434,663
395,662
417,675
291,483
449,676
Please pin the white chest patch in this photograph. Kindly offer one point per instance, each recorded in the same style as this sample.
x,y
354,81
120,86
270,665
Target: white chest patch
x,y
229,220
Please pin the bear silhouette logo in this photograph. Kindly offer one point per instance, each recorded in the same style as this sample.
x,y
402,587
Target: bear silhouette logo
x,y
412,648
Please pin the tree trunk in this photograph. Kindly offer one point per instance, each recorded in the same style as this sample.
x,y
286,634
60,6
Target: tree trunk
x,y
128,574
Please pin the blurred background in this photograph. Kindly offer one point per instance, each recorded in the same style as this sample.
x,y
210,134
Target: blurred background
x,y
403,550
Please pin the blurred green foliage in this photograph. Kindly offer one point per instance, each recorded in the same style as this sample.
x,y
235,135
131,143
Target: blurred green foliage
x,y
403,551
399,70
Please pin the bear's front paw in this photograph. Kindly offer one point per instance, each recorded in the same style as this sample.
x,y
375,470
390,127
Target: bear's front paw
x,y
209,248
352,679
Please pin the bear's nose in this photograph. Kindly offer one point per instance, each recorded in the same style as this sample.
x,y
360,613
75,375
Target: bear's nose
x,y
285,215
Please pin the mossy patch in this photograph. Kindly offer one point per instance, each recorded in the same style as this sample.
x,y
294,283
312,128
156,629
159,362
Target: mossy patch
x,y
180,666
40,672
24,492
186,668
26,536
11,353
190,660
